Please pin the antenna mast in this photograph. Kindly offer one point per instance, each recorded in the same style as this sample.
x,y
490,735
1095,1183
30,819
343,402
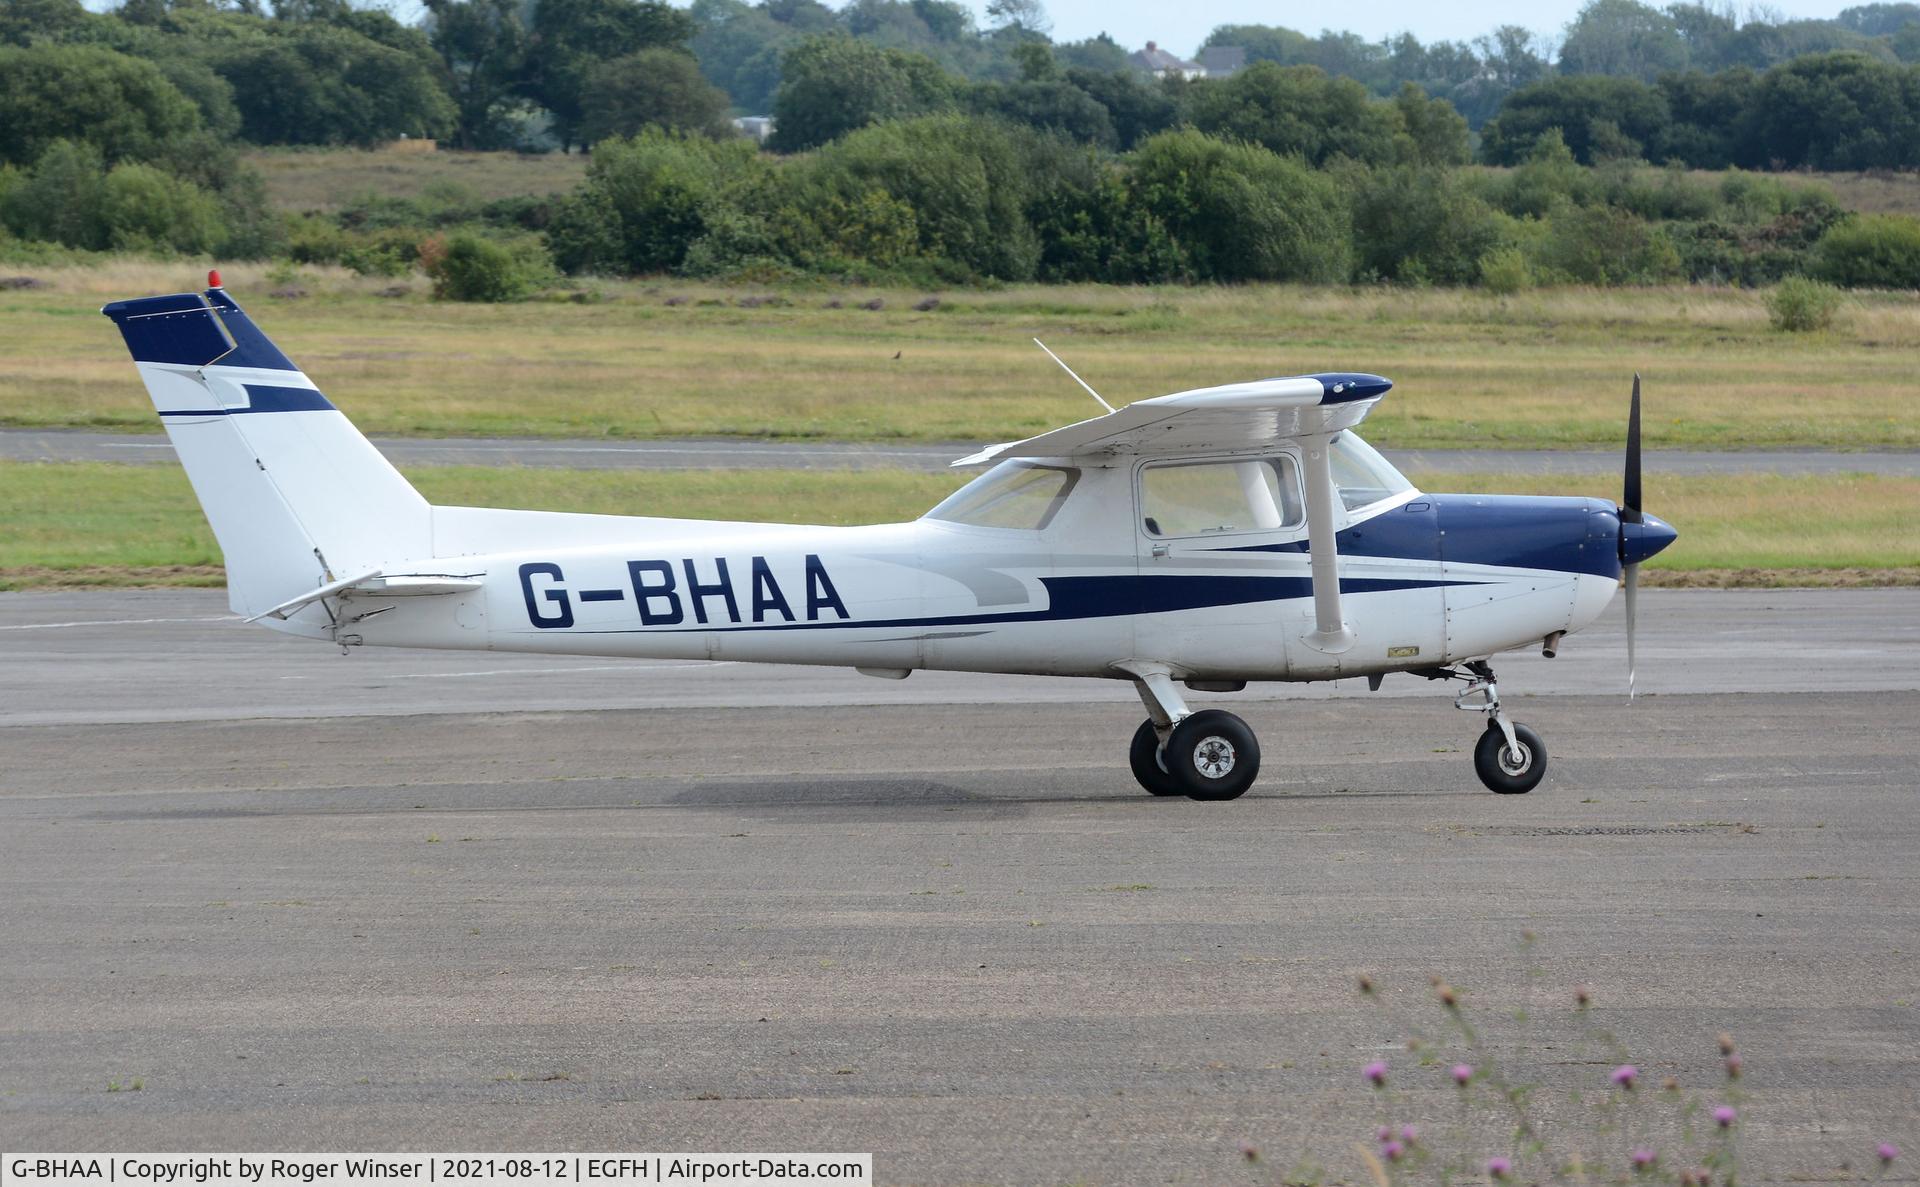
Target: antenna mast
x,y
1076,378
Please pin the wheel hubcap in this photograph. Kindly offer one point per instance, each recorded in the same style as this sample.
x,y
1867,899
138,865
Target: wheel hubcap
x,y
1516,763
1213,757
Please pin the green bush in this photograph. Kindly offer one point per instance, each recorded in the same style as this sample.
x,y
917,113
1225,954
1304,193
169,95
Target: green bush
x,y
1603,245
1505,271
1880,251
1239,212
646,200
1418,225
58,200
467,267
143,209
1798,305
961,181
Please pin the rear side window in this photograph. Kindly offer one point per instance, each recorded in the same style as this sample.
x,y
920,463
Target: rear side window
x,y
1011,495
1202,498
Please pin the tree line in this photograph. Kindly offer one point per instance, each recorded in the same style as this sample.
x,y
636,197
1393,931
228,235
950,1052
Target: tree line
x,y
117,133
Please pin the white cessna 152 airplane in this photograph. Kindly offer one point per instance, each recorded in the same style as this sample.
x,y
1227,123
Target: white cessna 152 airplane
x,y
1206,538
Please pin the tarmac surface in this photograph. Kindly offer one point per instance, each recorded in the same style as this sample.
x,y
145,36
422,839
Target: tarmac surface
x,y
65,445
476,901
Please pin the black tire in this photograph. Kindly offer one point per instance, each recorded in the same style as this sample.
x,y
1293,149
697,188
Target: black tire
x,y
1212,755
1506,777
1144,754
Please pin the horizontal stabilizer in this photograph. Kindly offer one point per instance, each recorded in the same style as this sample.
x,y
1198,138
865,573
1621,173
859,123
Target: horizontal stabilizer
x,y
376,584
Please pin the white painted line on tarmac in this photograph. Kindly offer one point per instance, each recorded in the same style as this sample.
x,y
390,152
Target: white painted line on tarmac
x,y
54,626
633,667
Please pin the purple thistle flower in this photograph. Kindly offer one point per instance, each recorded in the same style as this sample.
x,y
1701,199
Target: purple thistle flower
x,y
1409,1135
1393,1150
1499,1168
1888,1152
1249,1151
1734,1064
1462,1073
1624,1076
1376,1073
1385,1133
1724,1116
1644,1158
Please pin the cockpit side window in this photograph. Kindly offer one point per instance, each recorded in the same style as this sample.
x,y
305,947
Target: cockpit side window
x,y
1205,498
1011,495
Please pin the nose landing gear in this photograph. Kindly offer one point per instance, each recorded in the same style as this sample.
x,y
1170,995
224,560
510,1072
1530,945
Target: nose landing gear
x,y
1510,758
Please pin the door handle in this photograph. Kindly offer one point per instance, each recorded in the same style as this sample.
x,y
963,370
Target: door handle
x,y
1160,550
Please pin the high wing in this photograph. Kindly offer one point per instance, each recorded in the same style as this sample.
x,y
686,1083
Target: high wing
x,y
1308,409
1233,416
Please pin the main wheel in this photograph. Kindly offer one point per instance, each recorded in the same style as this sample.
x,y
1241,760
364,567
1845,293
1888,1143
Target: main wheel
x,y
1501,769
1144,754
1212,755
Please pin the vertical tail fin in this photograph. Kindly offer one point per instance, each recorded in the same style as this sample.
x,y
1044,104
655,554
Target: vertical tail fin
x,y
295,495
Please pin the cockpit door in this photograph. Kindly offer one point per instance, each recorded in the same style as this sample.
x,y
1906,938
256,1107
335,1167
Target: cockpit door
x,y
1223,563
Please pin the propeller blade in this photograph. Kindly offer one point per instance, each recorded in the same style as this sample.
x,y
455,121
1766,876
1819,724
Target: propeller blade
x,y
1631,504
1633,598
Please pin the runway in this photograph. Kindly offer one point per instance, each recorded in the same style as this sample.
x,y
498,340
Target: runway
x,y
408,899
69,445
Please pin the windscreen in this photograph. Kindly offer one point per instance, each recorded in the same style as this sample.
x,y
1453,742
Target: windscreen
x,y
1011,495
1361,475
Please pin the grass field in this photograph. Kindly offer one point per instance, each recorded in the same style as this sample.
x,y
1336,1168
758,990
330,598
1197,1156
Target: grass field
x,y
1550,368
97,524
302,182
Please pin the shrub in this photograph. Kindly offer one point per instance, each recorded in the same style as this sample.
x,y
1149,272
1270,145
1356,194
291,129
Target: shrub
x,y
1602,245
467,267
1418,224
143,209
1505,271
1240,212
646,201
1798,305
58,200
960,182
1871,251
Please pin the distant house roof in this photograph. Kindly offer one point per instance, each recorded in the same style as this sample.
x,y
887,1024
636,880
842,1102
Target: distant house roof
x,y
1222,60
1158,61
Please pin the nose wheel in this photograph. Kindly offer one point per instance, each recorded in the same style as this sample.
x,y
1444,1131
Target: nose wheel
x,y
1510,758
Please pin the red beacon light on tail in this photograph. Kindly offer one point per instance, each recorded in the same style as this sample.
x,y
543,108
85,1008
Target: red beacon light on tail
x,y
213,278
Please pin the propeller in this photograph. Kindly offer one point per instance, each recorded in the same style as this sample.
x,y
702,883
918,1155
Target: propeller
x,y
1630,513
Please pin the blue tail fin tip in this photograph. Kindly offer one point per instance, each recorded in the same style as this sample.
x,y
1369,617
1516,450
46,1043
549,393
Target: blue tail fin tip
x,y
195,329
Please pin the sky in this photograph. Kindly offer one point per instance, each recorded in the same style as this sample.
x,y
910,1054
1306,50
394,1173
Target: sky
x,y
1182,27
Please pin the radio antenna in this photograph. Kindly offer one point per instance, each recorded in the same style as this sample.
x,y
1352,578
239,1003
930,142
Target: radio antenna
x,y
1076,378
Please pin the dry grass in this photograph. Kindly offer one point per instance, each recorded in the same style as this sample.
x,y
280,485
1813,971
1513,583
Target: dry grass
x,y
326,180
1543,369
92,524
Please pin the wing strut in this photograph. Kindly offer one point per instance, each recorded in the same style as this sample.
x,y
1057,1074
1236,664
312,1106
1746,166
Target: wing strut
x,y
1330,633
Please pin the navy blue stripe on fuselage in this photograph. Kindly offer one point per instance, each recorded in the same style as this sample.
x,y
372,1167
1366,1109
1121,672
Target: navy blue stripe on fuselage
x,y
265,398
1073,598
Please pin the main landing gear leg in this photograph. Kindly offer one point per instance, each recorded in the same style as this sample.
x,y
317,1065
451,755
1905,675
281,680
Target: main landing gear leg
x,y
1510,758
1209,755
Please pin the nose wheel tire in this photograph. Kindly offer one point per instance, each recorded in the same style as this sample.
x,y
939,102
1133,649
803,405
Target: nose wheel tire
x,y
1148,767
1504,771
1212,755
